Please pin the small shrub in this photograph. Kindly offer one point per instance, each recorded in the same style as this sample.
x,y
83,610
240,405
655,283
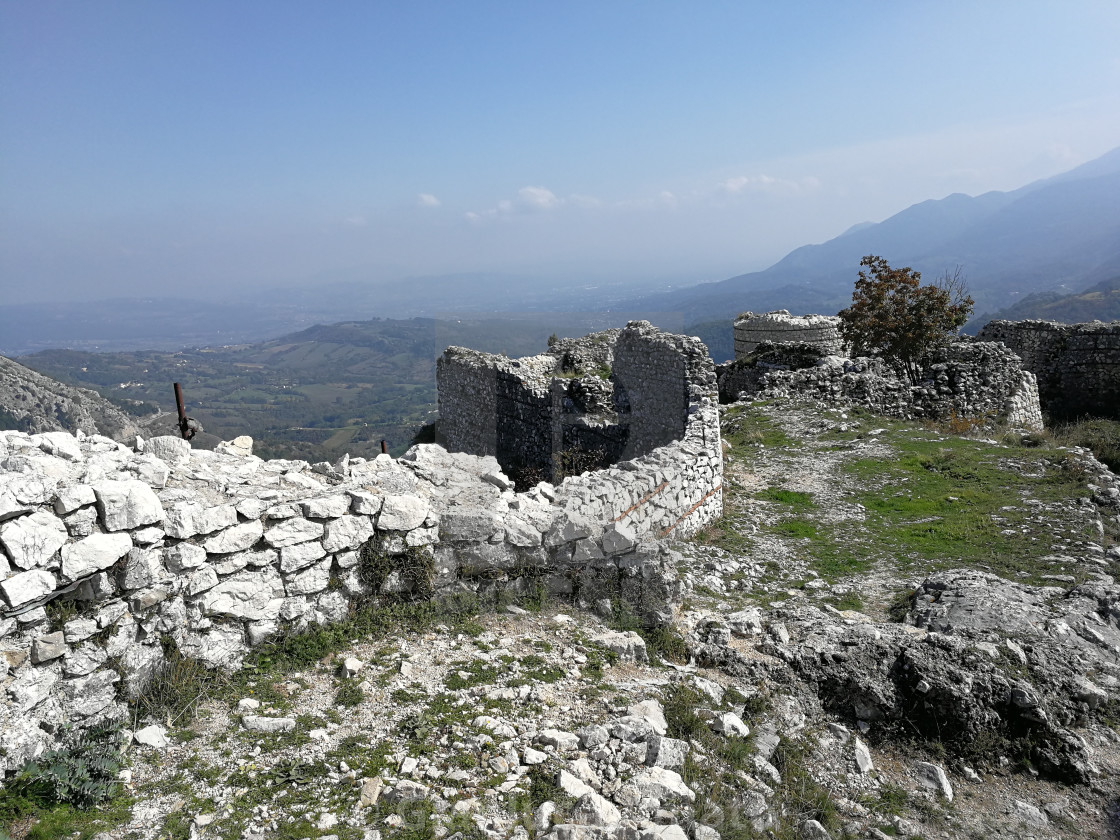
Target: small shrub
x,y
1097,434
415,566
177,688
680,704
901,604
82,772
349,694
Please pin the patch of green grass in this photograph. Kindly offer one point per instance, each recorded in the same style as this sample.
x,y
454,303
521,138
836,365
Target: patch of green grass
x,y
534,667
798,529
946,500
177,688
402,696
793,498
299,649
803,798
475,672
744,427
20,816
847,601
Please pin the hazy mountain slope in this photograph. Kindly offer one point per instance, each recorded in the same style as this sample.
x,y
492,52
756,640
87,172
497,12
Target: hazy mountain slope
x,y
1062,230
1100,302
34,403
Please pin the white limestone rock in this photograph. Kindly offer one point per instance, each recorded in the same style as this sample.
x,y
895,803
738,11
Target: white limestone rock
x,y
241,446
659,783
254,595
31,541
69,499
652,712
402,512
313,580
618,538
669,753
238,538
171,449
25,587
292,532
326,507
60,444
268,725
94,553
48,647
347,532
300,556
629,646
933,777
154,736
127,504
863,757
593,809
183,557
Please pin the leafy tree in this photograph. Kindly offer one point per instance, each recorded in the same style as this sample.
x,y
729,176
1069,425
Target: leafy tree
x,y
893,316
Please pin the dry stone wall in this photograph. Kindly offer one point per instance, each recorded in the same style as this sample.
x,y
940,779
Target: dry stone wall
x,y
106,551
1077,365
753,329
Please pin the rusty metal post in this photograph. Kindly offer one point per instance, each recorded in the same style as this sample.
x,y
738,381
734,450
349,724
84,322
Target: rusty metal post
x,y
384,448
184,426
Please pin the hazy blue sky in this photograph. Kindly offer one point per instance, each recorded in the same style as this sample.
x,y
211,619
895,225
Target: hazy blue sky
x,y
152,147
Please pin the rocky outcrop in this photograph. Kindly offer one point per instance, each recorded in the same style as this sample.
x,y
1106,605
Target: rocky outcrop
x,y
31,402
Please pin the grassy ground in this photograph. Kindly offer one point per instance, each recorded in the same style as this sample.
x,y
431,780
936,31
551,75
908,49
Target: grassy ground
x,y
929,500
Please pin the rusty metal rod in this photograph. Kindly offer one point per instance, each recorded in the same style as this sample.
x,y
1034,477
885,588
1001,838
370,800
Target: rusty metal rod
x,y
184,426
384,448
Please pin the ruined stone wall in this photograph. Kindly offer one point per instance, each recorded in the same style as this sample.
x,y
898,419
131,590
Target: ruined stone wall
x,y
968,380
1077,365
493,405
657,415
753,329
105,550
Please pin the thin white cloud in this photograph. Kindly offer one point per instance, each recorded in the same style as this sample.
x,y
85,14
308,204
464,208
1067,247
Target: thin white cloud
x,y
531,199
428,200
355,221
537,198
752,183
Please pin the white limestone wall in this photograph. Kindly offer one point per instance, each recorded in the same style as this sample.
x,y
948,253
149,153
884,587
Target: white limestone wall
x,y
221,550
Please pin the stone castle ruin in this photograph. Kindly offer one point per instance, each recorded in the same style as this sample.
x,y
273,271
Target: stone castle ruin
x,y
779,327
1077,365
108,552
638,407
779,355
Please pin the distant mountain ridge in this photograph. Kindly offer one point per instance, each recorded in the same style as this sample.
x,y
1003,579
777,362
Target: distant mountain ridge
x,y
1100,302
1060,233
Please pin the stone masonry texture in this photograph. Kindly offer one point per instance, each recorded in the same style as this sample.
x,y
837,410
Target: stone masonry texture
x,y
1077,365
